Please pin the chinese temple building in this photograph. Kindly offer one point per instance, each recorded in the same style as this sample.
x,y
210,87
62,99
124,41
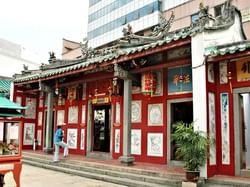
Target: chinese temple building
x,y
121,101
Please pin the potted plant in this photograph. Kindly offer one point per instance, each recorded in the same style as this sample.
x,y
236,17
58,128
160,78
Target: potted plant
x,y
192,148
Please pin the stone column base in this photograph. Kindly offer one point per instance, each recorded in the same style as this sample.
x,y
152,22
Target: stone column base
x,y
48,150
2,183
189,184
127,160
192,184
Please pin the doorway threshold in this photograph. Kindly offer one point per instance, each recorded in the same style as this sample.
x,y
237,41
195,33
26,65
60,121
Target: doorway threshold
x,y
245,172
176,163
99,155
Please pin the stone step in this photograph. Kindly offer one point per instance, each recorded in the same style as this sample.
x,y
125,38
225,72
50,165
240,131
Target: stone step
x,y
220,182
123,175
131,170
245,172
99,155
97,176
107,170
109,167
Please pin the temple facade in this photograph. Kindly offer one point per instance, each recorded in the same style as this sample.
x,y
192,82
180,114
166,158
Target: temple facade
x,y
121,102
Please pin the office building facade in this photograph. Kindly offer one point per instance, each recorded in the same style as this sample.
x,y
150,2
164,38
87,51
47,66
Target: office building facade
x,y
107,19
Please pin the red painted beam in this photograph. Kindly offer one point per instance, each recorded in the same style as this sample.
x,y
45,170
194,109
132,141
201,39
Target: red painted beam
x,y
162,66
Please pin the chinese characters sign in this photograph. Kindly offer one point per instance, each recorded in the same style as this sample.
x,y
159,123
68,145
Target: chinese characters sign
x,y
180,80
243,70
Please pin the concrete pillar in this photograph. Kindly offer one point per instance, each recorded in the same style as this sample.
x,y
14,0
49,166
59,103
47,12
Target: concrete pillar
x,y
127,159
89,127
199,88
246,102
49,124
237,145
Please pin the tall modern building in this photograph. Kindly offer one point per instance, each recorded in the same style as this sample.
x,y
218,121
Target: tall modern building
x,y
15,58
107,18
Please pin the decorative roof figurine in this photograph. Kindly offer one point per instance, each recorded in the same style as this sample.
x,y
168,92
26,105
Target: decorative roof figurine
x,y
227,18
159,32
52,57
163,27
207,22
25,67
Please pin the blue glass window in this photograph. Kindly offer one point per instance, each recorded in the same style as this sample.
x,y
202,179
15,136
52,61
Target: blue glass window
x,y
93,2
143,12
146,10
130,17
107,9
194,17
157,6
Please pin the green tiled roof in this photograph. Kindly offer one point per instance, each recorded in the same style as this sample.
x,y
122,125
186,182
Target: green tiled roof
x,y
7,104
5,86
9,108
100,59
227,49
12,113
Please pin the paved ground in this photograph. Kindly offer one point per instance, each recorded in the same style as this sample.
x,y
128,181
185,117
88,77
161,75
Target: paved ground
x,y
38,177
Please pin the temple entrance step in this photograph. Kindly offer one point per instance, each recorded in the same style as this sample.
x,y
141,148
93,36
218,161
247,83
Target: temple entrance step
x,y
99,155
227,181
114,174
245,172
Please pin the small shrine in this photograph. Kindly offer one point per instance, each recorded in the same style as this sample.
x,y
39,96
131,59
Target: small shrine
x,y
10,139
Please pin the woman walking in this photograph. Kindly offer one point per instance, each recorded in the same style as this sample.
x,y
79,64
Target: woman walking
x,y
58,141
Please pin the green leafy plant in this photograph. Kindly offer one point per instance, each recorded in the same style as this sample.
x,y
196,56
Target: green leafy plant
x,y
192,146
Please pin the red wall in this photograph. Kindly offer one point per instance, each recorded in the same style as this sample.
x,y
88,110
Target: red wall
x,y
218,88
23,119
101,87
143,125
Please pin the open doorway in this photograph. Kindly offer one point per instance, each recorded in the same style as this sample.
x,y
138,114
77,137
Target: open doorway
x,y
45,130
101,128
242,131
178,110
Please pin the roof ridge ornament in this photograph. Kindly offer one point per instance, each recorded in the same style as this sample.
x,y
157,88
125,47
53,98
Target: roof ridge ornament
x,y
129,39
227,18
160,31
87,52
163,27
52,57
208,22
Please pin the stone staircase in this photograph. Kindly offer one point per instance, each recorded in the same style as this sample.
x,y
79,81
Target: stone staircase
x,y
227,181
127,176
